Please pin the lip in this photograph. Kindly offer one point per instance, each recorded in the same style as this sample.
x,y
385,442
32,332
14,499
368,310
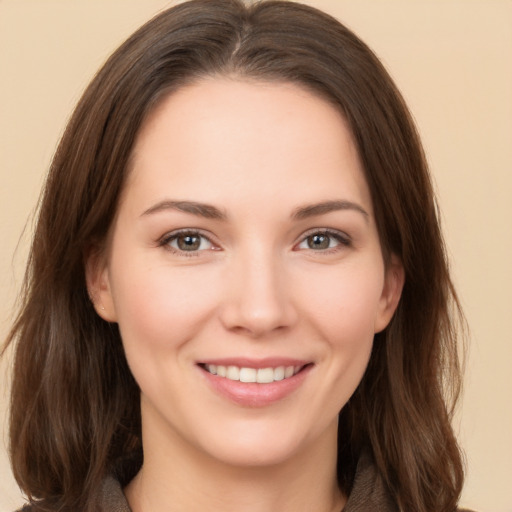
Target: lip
x,y
268,362
253,394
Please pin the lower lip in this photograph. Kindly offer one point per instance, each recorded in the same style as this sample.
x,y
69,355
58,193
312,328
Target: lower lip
x,y
254,394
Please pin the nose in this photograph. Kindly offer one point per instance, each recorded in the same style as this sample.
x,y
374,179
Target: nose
x,y
258,298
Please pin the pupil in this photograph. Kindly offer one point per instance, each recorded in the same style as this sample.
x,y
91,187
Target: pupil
x,y
189,242
318,242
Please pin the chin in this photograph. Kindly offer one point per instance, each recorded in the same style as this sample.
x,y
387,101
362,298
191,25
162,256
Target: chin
x,y
261,445
256,455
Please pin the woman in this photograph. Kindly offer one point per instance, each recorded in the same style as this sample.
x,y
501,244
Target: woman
x,y
238,240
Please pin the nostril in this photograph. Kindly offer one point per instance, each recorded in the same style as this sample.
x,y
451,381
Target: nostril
x,y
257,300
246,320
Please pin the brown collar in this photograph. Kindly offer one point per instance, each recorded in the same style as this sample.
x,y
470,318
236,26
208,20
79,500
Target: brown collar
x,y
368,493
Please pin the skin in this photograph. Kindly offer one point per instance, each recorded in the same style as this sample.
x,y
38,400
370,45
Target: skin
x,y
256,286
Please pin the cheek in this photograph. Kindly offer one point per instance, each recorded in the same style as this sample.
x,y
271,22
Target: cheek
x,y
344,303
161,307
341,307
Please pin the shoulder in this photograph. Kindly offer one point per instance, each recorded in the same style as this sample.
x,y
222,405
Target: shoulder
x,y
110,499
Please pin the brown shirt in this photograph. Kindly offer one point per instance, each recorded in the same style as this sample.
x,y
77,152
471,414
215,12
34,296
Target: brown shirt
x,y
368,493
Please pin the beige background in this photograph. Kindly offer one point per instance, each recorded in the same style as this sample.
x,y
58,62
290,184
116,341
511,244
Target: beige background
x,y
452,60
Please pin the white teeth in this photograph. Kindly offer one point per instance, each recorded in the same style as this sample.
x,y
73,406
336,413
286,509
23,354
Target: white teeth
x,y
265,375
289,371
261,375
279,373
247,375
233,373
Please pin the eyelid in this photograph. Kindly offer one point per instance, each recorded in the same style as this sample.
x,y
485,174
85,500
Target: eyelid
x,y
343,238
165,240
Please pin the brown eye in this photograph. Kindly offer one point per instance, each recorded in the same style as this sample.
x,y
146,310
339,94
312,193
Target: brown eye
x,y
324,241
319,241
187,241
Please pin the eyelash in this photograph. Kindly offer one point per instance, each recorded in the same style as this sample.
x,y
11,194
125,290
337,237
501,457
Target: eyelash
x,y
342,239
166,240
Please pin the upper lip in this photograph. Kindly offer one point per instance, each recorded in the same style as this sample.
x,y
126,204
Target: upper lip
x,y
244,362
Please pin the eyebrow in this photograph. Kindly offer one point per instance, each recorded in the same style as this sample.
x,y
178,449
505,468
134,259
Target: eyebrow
x,y
209,211
200,209
312,210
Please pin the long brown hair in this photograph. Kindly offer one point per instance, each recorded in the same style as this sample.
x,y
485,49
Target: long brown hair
x,y
75,406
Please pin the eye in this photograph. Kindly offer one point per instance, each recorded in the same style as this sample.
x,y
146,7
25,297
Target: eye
x,y
323,241
187,241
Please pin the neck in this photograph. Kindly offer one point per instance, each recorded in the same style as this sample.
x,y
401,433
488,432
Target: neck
x,y
176,477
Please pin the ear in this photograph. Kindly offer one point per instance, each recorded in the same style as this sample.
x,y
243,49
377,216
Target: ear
x,y
98,284
393,284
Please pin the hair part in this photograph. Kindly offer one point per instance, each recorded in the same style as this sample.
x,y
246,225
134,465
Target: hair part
x,y
76,410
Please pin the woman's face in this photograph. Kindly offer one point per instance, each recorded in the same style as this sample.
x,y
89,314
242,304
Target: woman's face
x,y
245,272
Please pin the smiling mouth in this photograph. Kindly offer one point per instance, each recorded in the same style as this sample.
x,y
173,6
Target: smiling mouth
x,y
253,375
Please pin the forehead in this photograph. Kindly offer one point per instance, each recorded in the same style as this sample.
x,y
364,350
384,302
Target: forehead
x,y
244,137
